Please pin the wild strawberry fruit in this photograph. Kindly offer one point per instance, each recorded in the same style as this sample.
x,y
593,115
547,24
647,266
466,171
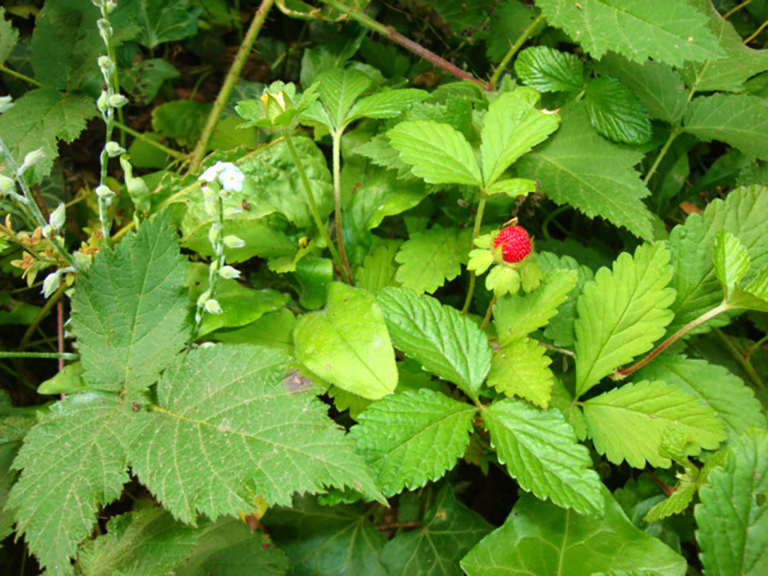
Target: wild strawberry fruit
x,y
515,243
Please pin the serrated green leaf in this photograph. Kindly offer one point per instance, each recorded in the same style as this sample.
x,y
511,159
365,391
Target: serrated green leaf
x,y
657,86
431,257
129,309
616,113
512,187
379,268
413,437
73,461
511,127
539,538
14,426
731,260
517,315
549,70
39,119
573,170
228,548
381,153
677,502
145,542
733,526
448,531
209,447
438,153
622,312
521,368
676,32
385,104
563,400
628,423
327,540
162,22
439,337
506,22
716,387
9,36
347,344
338,91
692,248
541,452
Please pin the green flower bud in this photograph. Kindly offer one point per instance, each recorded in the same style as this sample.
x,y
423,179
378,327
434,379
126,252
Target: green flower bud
x,y
114,149
58,217
233,242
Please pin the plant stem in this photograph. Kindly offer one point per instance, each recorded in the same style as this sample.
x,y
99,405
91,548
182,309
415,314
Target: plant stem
x,y
513,50
755,34
722,307
475,234
336,137
741,358
406,43
21,76
43,355
154,143
196,159
42,314
321,227
487,318
674,134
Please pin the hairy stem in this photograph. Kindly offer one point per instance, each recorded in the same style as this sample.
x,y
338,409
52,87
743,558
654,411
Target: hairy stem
x,y
741,358
196,159
336,136
475,234
514,49
488,314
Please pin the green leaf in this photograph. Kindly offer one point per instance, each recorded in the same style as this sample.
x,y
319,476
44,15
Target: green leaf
x,y
542,454
517,315
628,423
659,88
14,425
145,542
539,538
739,120
129,309
39,119
677,502
573,170
622,312
692,248
731,260
511,127
507,21
327,540
431,257
438,153
676,32
449,530
512,187
209,448
549,70
379,268
616,113
438,337
385,104
9,36
347,344
162,22
67,381
338,91
733,526
563,400
714,386
521,368
228,548
413,437
73,461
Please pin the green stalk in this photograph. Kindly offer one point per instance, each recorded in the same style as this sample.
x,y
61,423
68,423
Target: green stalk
x,y
196,159
741,358
55,297
487,318
42,355
336,137
674,134
513,50
475,234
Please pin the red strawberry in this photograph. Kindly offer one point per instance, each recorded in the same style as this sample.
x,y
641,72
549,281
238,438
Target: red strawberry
x,y
515,243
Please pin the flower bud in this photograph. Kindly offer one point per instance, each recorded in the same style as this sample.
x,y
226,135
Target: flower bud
x,y
118,100
213,307
233,242
47,231
103,103
114,149
105,30
7,185
229,273
31,159
58,217
51,284
105,194
203,298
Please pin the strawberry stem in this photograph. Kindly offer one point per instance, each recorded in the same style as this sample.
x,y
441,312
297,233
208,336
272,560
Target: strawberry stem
x,y
475,234
487,318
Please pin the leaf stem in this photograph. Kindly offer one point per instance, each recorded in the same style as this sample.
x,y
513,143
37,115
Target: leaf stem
x,y
513,50
475,234
154,143
42,355
624,372
321,227
741,358
196,159
674,134
406,43
336,137
487,318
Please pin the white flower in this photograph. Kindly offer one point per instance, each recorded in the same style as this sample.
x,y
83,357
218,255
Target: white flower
x,y
212,306
210,174
233,242
229,273
31,159
231,178
58,217
51,284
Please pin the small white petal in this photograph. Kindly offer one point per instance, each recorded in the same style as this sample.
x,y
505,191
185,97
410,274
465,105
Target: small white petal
x,y
213,307
229,273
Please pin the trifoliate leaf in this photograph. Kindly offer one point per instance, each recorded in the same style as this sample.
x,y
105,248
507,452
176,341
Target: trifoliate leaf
x,y
73,461
129,309
449,530
413,437
209,447
146,542
162,22
438,153
628,423
549,70
439,337
716,387
327,540
616,113
517,315
511,127
385,104
347,344
521,368
542,454
731,260
572,170
733,525
739,120
622,313
539,538
9,36
338,89
676,33
692,248
431,257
